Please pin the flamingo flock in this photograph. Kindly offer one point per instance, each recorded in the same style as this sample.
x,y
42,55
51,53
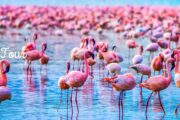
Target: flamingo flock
x,y
157,25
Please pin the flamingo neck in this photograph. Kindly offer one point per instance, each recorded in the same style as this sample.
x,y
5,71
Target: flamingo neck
x,y
176,70
87,67
168,72
140,51
67,70
3,77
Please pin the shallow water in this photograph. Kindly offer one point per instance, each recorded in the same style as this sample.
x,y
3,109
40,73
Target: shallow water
x,y
39,97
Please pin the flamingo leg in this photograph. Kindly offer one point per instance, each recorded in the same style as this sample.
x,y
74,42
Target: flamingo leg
x,y
46,69
119,105
176,110
76,100
73,64
147,104
67,102
161,102
141,87
40,68
122,107
71,103
60,101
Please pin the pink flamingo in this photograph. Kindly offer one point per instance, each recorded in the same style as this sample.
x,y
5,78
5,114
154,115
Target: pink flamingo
x,y
44,58
158,83
131,44
63,85
153,47
137,59
157,63
144,70
123,83
76,79
177,76
5,92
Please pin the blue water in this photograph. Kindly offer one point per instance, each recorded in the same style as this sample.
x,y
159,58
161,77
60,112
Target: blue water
x,y
91,2
38,98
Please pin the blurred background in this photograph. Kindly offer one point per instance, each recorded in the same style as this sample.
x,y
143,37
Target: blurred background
x,y
91,2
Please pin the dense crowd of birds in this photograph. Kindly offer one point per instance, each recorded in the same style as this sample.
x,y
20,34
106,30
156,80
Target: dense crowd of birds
x,y
160,25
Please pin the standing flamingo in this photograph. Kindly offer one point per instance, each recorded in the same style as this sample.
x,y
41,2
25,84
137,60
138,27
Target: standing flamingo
x,y
177,76
5,92
113,68
44,58
137,59
131,44
76,79
144,70
123,83
157,63
63,85
158,83
153,47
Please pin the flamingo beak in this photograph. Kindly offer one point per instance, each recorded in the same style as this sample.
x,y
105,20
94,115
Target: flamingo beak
x,y
7,69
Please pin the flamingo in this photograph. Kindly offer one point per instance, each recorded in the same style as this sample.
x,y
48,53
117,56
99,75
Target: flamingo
x,y
144,70
44,58
76,79
163,43
137,59
153,47
158,83
30,45
33,55
5,92
113,68
157,63
177,76
63,85
131,44
123,83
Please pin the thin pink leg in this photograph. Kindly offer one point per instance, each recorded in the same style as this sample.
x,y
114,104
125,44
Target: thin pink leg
x,y
119,105
141,87
71,104
161,102
122,106
60,101
76,100
67,102
148,102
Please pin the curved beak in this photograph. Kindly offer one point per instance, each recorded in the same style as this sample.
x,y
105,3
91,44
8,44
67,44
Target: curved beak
x,y
7,69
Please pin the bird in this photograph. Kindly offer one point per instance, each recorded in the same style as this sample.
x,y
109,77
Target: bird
x,y
176,70
131,44
157,63
137,59
113,68
5,92
33,56
62,83
177,76
152,47
142,69
123,83
44,58
76,79
158,83
30,45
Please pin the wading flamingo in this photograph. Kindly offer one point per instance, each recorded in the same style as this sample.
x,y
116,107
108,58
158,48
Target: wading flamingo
x,y
157,63
113,68
177,76
76,79
5,92
158,83
142,69
152,47
63,85
44,58
131,44
123,83
137,59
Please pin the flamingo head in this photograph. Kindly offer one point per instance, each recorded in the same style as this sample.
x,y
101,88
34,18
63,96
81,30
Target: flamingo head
x,y
44,46
134,67
6,66
35,36
93,41
89,54
114,48
141,48
115,84
68,65
161,57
